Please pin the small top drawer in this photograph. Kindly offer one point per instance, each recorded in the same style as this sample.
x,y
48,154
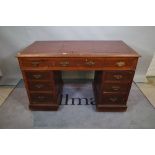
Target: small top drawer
x,y
34,62
38,75
121,63
118,76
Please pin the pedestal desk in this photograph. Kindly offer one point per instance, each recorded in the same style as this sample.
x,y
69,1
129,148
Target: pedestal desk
x,y
114,64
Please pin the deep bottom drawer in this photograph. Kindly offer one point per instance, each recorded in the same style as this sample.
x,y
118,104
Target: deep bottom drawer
x,y
42,98
113,99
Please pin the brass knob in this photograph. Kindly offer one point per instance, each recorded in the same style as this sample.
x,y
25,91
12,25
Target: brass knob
x,y
35,63
118,77
90,63
39,86
113,99
120,63
41,97
37,76
64,63
115,88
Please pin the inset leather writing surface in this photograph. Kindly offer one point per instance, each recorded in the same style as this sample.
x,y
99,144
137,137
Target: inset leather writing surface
x,y
78,49
101,48
43,48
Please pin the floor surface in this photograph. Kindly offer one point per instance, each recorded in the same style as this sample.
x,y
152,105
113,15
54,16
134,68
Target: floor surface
x,y
4,93
14,112
148,90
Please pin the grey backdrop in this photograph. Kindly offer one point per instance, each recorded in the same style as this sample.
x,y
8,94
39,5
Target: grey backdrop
x,y
13,39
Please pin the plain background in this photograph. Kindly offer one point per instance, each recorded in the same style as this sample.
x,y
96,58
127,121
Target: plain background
x,y
13,39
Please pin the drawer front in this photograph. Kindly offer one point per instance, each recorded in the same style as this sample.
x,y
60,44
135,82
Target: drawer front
x,y
37,75
67,62
114,99
115,87
42,98
35,62
121,63
118,76
81,63
40,86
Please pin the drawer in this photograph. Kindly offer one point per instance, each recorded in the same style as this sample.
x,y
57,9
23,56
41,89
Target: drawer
x,y
66,62
40,86
78,62
121,63
35,62
114,99
38,75
42,98
118,76
115,87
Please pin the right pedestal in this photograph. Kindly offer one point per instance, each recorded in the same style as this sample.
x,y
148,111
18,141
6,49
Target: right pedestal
x,y
111,90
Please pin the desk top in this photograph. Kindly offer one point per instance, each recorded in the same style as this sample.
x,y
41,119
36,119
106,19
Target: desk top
x,y
78,49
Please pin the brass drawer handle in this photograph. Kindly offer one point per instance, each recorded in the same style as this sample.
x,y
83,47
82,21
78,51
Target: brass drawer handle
x,y
35,63
39,86
115,88
120,63
118,77
41,97
64,63
37,76
113,99
90,63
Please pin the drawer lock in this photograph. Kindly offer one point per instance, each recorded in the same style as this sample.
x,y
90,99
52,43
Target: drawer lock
x,y
37,76
35,63
39,86
64,63
113,99
118,77
90,63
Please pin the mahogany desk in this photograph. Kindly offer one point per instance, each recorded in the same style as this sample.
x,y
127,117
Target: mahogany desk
x,y
114,64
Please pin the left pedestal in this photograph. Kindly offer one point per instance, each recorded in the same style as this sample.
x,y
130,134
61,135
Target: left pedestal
x,y
44,89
